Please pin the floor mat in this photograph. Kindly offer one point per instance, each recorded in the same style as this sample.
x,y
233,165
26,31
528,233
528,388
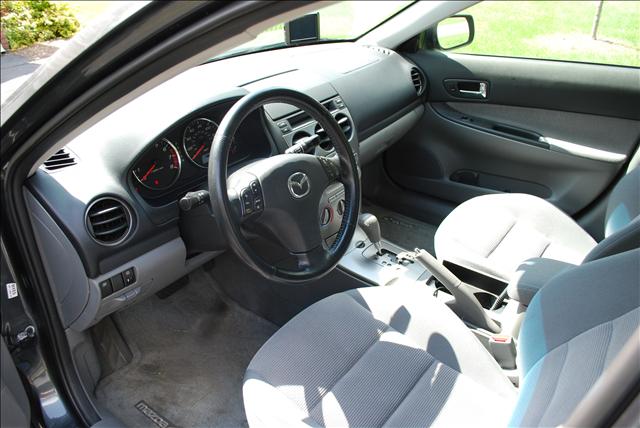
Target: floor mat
x,y
190,353
403,231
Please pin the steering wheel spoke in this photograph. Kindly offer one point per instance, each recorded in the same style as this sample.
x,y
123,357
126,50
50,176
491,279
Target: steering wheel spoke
x,y
331,167
317,256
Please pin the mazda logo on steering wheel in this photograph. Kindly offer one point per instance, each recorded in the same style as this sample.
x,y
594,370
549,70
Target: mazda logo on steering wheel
x,y
299,185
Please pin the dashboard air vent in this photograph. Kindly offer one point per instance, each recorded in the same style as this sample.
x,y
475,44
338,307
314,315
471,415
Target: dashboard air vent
x,y
345,123
108,221
60,159
418,80
325,141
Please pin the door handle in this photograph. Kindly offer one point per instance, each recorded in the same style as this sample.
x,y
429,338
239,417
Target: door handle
x,y
476,89
482,90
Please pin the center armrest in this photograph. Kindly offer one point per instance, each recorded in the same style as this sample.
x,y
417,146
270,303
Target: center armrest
x,y
532,275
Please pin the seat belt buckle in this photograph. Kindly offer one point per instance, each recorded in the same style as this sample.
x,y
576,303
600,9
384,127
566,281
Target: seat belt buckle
x,y
503,349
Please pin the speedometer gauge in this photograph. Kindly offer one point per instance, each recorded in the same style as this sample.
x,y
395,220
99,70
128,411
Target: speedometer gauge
x,y
159,166
198,136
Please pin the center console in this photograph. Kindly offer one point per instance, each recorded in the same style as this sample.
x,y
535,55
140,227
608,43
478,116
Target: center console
x,y
362,260
487,310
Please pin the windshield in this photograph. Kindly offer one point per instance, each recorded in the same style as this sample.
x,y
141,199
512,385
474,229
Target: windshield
x,y
346,20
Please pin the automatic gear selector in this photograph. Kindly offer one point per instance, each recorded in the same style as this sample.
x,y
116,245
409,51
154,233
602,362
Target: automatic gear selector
x,y
371,227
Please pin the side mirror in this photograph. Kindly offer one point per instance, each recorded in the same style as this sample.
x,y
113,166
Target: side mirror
x,y
303,29
454,32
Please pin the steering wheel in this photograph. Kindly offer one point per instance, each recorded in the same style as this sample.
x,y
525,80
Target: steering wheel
x,y
282,193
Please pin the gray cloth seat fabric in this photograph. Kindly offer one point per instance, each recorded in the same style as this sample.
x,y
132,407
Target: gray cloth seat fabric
x,y
369,357
573,329
396,356
531,276
494,234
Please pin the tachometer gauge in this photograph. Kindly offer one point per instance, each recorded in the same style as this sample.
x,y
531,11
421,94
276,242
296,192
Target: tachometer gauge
x,y
198,136
159,166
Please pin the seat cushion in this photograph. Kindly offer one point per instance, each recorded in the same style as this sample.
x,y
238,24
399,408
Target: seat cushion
x,y
494,234
378,356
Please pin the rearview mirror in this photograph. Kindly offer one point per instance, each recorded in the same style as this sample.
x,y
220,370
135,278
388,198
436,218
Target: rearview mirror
x,y
304,29
454,32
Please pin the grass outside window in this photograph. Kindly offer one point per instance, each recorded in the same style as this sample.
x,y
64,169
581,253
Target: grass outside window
x,y
558,30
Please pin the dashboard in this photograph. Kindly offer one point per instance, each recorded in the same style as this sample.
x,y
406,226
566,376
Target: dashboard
x,y
105,206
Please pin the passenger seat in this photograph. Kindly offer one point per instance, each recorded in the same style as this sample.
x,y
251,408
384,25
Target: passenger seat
x,y
494,234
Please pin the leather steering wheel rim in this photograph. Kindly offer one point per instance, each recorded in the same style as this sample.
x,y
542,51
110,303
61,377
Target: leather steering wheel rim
x,y
318,260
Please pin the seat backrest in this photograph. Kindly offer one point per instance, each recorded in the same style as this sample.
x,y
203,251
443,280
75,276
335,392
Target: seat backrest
x,y
573,329
622,219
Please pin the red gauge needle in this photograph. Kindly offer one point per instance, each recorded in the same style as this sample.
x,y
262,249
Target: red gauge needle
x,y
198,152
144,177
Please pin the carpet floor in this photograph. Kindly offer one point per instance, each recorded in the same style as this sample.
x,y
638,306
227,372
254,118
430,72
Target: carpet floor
x,y
190,352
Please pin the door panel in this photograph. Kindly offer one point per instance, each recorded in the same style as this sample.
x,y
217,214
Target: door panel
x,y
560,131
598,132
577,87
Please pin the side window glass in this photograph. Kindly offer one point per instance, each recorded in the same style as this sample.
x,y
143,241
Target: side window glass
x,y
602,32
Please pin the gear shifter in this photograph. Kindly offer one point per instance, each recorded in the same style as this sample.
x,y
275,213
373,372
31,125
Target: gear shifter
x,y
369,223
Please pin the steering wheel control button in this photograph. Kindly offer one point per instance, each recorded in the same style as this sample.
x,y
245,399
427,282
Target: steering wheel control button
x,y
252,200
247,201
299,184
325,217
258,205
105,288
340,208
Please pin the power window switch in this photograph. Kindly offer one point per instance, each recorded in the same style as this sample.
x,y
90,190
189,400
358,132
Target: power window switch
x,y
129,276
117,283
105,288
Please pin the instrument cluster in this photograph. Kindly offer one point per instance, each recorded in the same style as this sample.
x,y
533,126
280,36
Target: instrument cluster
x,y
177,161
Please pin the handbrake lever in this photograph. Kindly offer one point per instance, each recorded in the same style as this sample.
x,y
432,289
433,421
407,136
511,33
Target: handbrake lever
x,y
466,305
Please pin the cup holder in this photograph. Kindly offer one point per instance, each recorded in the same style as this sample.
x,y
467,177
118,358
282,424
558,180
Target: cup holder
x,y
486,299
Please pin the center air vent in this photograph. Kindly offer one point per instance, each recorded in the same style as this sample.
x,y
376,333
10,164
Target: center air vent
x,y
60,159
325,141
108,221
345,124
418,80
